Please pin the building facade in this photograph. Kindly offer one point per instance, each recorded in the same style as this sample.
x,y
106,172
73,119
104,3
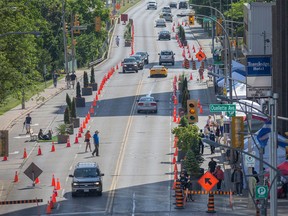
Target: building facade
x,y
280,60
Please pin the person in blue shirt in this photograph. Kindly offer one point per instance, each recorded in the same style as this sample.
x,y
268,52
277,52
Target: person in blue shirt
x,y
96,143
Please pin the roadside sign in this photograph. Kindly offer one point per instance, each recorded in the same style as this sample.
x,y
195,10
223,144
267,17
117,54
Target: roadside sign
x,y
208,181
261,192
222,107
33,171
250,161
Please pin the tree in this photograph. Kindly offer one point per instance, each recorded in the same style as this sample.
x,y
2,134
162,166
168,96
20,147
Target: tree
x,y
85,80
92,76
68,101
191,164
67,116
183,122
73,109
185,97
78,90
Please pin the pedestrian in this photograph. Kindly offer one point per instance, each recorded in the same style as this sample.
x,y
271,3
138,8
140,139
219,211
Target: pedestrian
x,y
201,71
238,181
219,174
255,174
55,78
212,138
73,79
96,143
67,79
87,140
189,189
206,131
201,144
212,165
221,122
183,179
27,123
210,121
217,133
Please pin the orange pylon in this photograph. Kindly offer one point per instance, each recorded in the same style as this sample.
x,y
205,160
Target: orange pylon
x,y
48,209
174,185
176,152
76,140
54,198
37,181
81,129
84,124
51,203
175,101
94,102
191,77
198,103
178,119
58,186
174,118
96,97
68,143
88,115
5,158
24,153
175,168
55,192
91,110
16,179
79,134
53,147
175,142
117,67
174,160
39,151
201,109
175,176
53,183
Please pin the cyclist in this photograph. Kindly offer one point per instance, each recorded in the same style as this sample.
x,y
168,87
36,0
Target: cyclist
x,y
117,40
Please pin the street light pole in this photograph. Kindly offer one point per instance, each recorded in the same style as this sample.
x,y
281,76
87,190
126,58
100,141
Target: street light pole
x,y
65,40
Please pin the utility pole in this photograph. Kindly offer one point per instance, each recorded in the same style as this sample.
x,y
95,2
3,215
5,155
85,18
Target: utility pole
x,y
64,39
73,45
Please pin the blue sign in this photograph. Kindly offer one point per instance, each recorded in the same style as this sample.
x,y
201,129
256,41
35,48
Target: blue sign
x,y
259,66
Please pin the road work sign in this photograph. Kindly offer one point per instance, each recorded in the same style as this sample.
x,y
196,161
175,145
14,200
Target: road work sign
x,y
208,181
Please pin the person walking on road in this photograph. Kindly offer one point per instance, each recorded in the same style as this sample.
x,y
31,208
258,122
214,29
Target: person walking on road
x,y
87,140
73,79
212,165
96,143
212,138
201,145
27,123
238,181
219,174
55,78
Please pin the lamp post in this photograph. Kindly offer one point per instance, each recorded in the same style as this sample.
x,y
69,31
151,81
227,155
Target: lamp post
x,y
21,33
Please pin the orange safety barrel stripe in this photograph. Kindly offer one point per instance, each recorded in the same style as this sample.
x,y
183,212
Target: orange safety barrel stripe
x,y
20,201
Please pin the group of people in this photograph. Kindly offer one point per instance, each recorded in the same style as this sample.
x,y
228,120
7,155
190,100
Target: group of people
x,y
70,78
95,141
186,184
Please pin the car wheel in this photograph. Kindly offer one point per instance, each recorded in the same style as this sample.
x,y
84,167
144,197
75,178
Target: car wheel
x,y
74,194
100,193
136,71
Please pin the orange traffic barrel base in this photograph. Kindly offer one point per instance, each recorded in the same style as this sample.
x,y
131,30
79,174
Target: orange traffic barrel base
x,y
210,204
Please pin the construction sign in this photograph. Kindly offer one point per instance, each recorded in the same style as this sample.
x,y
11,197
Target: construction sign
x,y
200,55
237,132
33,171
208,181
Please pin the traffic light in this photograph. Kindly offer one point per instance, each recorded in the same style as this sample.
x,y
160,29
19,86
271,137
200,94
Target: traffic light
x,y
192,111
191,19
76,23
219,27
98,24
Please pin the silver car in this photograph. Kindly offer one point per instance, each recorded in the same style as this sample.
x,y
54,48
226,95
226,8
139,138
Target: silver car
x,y
147,104
161,22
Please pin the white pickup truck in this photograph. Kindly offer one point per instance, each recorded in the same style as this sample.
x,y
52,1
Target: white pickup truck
x,y
152,5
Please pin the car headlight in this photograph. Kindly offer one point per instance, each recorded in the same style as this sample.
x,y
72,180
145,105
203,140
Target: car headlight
x,y
97,183
135,65
75,184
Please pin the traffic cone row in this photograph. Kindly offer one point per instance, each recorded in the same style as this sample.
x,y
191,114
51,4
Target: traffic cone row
x,y
52,203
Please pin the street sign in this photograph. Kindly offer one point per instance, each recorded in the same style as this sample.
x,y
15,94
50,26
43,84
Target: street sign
x,y
261,192
222,107
33,171
208,181
250,161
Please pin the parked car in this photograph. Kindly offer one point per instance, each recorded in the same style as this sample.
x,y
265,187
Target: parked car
x,y
173,5
147,104
152,5
183,4
139,60
160,22
158,70
164,35
167,16
87,178
166,56
130,64
166,9
145,56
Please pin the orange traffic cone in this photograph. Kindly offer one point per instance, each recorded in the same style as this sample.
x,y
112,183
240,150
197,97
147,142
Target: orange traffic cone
x,y
174,118
174,160
191,77
39,151
37,181
176,152
198,103
55,192
178,119
51,203
54,198
175,176
53,183
16,179
81,129
48,209
68,143
174,185
5,158
175,143
25,153
201,110
91,109
79,134
58,186
53,147
88,115
175,168
76,140
94,102
84,125
96,97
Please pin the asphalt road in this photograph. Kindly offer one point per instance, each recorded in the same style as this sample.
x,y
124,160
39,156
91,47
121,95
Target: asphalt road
x,y
135,149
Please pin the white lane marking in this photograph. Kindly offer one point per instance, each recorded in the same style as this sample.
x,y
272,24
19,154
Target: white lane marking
x,y
134,205
15,152
63,192
67,179
70,168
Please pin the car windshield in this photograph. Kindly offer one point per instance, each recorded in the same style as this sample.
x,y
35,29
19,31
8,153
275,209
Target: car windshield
x,y
86,172
164,32
138,58
147,99
158,67
166,53
129,60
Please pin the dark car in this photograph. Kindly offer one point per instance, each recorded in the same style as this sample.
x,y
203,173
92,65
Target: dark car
x,y
164,35
87,178
183,4
139,60
144,55
130,64
173,4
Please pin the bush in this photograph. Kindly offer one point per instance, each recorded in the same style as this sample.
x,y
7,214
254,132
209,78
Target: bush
x,y
78,90
73,109
68,101
127,33
92,76
85,80
67,116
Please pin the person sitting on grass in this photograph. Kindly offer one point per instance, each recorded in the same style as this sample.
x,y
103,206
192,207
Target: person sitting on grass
x,y
47,136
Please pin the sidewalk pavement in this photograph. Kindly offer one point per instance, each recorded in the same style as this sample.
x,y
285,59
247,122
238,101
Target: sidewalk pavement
x,y
36,101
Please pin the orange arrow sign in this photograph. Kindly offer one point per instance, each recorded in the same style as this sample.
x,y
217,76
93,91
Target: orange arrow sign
x,y
208,181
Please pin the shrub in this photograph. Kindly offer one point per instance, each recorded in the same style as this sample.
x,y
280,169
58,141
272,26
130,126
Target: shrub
x,y
127,33
73,109
85,80
67,116
92,76
68,101
78,90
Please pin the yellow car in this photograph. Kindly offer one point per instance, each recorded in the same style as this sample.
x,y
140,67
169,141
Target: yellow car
x,y
158,70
